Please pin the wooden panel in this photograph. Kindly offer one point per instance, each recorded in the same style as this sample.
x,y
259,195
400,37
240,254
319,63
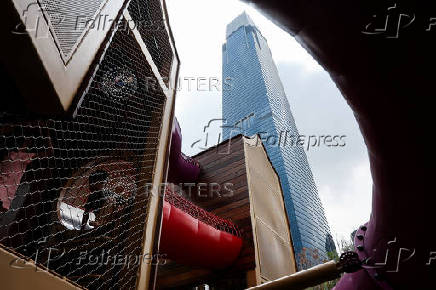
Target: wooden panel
x,y
273,244
20,274
220,169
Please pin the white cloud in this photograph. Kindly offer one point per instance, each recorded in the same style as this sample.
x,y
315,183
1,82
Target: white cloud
x,y
348,203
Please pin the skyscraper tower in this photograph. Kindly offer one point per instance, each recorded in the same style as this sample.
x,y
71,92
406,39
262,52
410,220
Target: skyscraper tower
x,y
255,102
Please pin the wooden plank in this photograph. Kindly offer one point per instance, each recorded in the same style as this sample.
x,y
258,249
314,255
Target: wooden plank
x,y
220,169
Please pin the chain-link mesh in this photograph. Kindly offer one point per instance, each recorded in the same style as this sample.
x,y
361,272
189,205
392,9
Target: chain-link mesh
x,y
148,17
73,192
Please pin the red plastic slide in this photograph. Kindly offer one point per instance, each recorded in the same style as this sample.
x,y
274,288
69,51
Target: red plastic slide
x,y
193,236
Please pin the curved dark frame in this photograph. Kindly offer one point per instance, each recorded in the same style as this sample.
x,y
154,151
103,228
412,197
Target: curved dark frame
x,y
386,78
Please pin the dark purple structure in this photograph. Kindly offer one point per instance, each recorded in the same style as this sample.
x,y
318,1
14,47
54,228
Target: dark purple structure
x,y
182,168
383,67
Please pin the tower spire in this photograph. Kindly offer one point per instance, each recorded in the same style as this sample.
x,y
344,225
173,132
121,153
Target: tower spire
x,y
242,19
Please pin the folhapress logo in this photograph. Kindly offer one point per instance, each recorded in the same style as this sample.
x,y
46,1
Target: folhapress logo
x,y
394,20
390,24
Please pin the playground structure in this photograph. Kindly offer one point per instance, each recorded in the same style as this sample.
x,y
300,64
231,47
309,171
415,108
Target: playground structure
x,y
193,236
85,126
237,192
52,109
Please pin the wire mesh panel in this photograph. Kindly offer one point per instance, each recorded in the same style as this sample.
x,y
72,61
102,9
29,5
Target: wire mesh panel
x,y
151,26
74,192
68,20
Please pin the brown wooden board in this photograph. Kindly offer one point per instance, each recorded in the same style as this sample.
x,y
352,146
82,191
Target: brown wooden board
x,y
220,169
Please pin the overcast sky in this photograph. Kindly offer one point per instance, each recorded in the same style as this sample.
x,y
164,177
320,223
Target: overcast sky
x,y
341,173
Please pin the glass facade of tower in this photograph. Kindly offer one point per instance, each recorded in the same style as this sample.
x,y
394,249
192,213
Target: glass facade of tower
x,y
255,102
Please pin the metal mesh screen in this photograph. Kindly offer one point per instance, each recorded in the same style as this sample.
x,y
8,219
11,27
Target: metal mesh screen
x,y
74,193
151,26
69,19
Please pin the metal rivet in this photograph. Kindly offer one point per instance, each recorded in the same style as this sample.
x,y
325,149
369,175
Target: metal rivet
x,y
360,237
363,228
